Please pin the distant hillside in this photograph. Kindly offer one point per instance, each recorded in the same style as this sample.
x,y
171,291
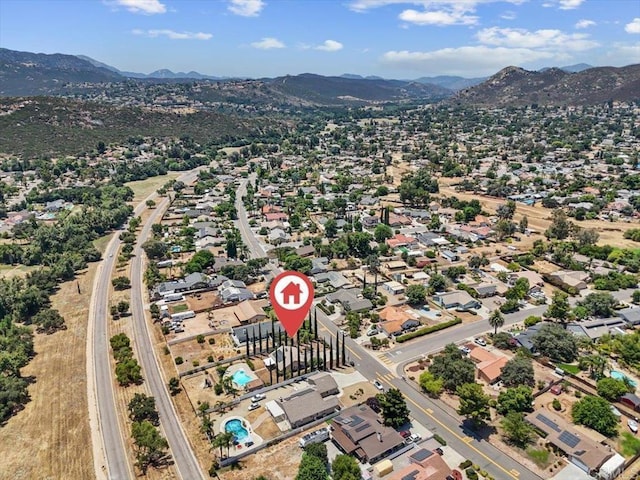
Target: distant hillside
x,y
516,86
451,82
163,73
578,67
25,73
53,125
318,89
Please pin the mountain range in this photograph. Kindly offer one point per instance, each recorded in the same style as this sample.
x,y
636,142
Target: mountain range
x,y
27,74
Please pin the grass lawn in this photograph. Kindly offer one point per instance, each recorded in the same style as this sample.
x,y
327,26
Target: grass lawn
x,y
102,242
573,369
630,445
180,308
143,188
540,457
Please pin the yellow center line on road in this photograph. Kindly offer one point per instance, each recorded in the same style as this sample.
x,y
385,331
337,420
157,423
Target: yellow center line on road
x,y
354,354
512,473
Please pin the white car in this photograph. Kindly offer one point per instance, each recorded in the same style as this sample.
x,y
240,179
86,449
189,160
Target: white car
x,y
378,385
413,438
464,349
480,341
253,406
633,425
257,397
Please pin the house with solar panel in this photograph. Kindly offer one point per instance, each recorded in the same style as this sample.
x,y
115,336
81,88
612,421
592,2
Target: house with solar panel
x,y
593,458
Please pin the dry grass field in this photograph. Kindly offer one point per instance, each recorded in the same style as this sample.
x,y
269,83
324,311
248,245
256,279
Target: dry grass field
x,y
51,437
143,188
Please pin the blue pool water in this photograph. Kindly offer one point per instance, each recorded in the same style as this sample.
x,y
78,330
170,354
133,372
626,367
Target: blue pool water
x,y
241,378
621,376
239,432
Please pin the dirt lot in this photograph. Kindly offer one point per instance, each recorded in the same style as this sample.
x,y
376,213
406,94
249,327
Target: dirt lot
x,y
51,437
191,350
278,462
357,393
203,301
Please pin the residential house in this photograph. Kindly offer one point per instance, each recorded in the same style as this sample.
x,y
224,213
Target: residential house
x,y
277,236
458,299
306,406
425,465
485,290
449,255
319,265
394,288
240,335
306,251
396,220
400,240
324,384
193,281
630,315
351,300
335,279
285,358
594,329
571,278
631,400
534,278
234,291
488,365
358,431
587,454
250,311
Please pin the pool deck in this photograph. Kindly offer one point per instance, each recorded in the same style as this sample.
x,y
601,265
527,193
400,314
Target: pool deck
x,y
251,435
233,369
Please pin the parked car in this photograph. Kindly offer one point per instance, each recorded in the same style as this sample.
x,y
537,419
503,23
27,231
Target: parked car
x,y
378,385
257,397
405,433
414,438
633,425
465,350
253,406
439,451
480,341
372,332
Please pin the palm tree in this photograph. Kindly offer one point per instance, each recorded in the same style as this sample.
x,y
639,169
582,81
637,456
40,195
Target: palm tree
x,y
496,320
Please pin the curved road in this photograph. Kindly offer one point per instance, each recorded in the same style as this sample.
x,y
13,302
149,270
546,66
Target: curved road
x,y
110,455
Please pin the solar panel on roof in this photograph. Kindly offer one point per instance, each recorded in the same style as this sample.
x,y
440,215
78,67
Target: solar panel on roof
x,y
569,439
362,427
356,420
422,454
548,422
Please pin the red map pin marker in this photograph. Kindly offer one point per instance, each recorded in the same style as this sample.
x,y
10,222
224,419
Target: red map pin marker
x,y
291,296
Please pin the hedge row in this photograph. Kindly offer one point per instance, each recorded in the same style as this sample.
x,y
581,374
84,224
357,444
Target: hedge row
x,y
428,330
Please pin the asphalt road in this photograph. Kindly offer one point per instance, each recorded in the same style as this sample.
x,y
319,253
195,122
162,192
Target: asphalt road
x,y
110,458
424,410
100,385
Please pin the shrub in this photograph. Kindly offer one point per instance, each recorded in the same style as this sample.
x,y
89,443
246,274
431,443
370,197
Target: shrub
x,y
531,320
200,339
166,350
440,440
196,363
212,341
428,330
557,406
218,389
179,360
210,359
250,364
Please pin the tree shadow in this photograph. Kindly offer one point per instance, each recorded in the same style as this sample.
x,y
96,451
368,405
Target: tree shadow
x,y
477,432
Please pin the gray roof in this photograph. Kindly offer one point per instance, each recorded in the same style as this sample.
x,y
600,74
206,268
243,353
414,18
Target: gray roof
x,y
304,406
253,330
630,315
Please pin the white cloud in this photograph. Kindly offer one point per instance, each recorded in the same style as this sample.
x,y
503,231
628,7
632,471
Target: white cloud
x,y
456,16
148,7
585,24
246,8
508,15
172,35
268,43
633,26
329,46
564,4
469,5
471,60
546,39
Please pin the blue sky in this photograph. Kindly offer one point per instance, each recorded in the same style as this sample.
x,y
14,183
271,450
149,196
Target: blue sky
x,y
389,38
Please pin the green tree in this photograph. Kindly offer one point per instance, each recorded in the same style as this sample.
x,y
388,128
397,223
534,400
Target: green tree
x,y
560,227
394,408
612,389
556,343
318,450
416,294
559,310
345,467
474,403
122,307
141,407
496,320
311,468
331,228
595,412
517,399
431,384
174,386
599,304
48,320
518,371
150,203
149,446
121,283
382,232
516,430
155,249
452,368
437,283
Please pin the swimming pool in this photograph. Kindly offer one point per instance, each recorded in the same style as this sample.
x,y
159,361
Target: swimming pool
x,y
239,432
621,376
241,378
